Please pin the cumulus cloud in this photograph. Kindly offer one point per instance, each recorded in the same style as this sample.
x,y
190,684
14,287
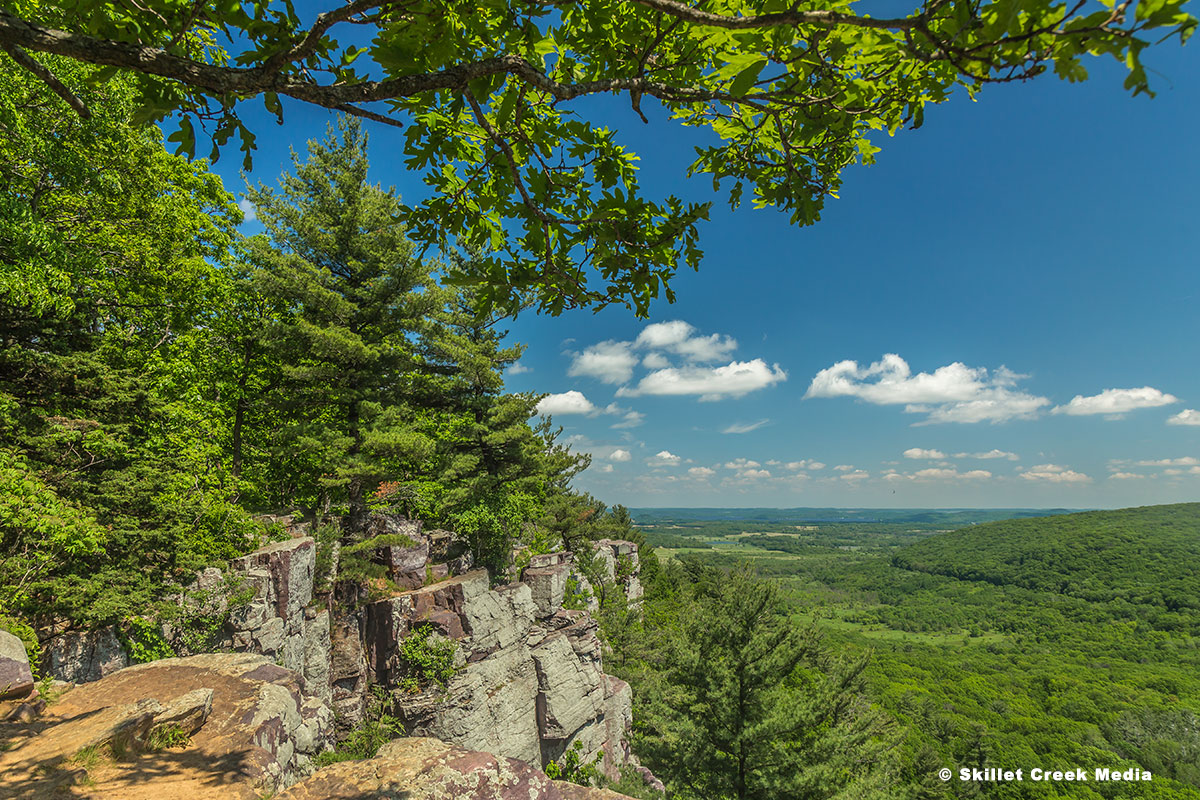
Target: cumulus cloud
x,y
1126,476
248,210
1184,461
946,474
607,468
741,463
629,419
855,476
655,361
1116,401
797,465
1053,473
745,427
710,383
608,362
680,338
664,458
517,369
917,452
572,402
953,393
844,467
701,472
989,454
1189,416
754,474
620,455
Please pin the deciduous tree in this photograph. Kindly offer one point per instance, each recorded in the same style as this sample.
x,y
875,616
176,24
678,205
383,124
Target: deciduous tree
x,y
495,101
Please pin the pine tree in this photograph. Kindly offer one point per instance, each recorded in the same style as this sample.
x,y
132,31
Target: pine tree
x,y
749,706
360,302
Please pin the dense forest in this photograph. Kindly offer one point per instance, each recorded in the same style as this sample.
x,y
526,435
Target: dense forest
x,y
985,656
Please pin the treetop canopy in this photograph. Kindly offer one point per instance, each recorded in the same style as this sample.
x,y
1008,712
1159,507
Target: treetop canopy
x,y
487,94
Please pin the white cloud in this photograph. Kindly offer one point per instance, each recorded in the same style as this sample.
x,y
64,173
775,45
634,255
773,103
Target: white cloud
x,y
1189,416
953,393
857,475
663,458
989,454
607,468
1116,401
655,361
701,472
944,474
1126,476
571,402
745,427
609,362
844,467
678,337
248,210
741,463
620,455
711,383
799,465
1052,473
517,369
1185,461
917,452
629,419
754,474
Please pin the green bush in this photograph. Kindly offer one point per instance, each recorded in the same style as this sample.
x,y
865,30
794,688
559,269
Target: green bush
x,y
426,659
379,728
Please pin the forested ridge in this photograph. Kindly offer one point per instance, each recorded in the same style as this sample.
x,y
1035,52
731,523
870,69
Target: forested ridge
x,y
1141,556
981,654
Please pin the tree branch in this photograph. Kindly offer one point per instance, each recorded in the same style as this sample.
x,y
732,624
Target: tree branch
x,y
47,77
698,16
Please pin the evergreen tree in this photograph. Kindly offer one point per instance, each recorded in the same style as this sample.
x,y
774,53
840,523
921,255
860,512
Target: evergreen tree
x,y
339,258
749,706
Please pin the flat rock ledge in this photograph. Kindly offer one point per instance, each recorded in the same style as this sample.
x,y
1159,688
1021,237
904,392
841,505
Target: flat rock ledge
x,y
429,769
247,725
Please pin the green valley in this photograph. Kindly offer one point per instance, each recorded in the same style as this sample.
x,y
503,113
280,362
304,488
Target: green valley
x,y
1061,642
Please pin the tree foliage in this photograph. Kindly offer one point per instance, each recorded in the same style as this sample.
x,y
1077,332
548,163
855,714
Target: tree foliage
x,y
493,97
736,701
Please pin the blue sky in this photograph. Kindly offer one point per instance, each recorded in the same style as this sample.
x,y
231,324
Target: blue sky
x,y
1001,312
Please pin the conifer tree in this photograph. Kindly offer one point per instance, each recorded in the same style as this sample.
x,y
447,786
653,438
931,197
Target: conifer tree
x,y
339,258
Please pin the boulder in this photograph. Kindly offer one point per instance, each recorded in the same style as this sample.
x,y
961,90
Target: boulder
x,y
429,769
188,712
16,677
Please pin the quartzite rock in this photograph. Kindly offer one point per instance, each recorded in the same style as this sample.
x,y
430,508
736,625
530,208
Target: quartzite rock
x,y
251,728
83,656
429,769
16,678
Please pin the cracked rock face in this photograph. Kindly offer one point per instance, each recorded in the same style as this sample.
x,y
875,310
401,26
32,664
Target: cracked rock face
x,y
530,683
429,769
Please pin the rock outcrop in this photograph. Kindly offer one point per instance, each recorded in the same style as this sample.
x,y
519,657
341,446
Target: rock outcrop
x,y
83,656
250,726
429,769
16,678
530,681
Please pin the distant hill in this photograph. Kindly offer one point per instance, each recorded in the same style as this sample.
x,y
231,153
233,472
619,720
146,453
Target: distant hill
x,y
1143,556
949,517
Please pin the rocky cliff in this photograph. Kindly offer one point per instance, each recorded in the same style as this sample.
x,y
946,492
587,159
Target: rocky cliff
x,y
529,681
